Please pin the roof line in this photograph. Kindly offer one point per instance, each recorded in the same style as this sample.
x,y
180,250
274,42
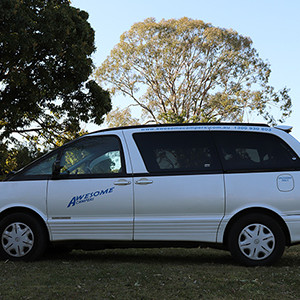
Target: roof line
x,y
181,124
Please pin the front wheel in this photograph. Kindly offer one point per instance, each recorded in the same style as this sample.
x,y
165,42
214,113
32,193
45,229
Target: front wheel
x,y
256,240
22,237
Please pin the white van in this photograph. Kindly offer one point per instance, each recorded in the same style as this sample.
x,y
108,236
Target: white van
x,y
231,185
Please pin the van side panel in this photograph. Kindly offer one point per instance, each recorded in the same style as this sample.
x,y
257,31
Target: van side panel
x,y
179,208
276,191
169,206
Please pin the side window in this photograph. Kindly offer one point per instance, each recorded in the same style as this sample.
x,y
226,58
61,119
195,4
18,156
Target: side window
x,y
92,156
87,157
43,167
249,151
175,152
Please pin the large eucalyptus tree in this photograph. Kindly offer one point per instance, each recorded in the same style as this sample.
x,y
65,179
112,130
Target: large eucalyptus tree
x,y
189,71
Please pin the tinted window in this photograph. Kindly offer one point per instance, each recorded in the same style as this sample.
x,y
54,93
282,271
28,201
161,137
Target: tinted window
x,y
96,156
43,167
88,156
173,152
246,151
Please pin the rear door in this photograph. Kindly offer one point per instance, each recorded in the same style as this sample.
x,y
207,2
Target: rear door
x,y
261,170
180,194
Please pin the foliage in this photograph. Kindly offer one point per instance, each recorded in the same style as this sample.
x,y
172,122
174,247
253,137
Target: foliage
x,y
14,158
45,49
121,117
16,155
189,71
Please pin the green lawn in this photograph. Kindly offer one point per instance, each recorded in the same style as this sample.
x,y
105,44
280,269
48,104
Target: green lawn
x,y
150,274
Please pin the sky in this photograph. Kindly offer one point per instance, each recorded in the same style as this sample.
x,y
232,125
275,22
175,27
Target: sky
x,y
273,26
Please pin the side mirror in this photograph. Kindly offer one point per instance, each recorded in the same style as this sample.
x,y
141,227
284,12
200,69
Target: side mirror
x,y
56,168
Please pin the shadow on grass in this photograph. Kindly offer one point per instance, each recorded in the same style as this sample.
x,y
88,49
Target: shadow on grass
x,y
165,256
147,256
291,257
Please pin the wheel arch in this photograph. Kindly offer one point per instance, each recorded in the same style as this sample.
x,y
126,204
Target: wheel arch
x,y
260,210
27,211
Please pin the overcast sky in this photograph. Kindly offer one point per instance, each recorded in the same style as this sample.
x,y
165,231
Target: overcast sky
x,y
273,26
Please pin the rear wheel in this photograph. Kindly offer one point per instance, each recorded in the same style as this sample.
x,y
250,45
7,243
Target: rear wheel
x,y
22,237
256,240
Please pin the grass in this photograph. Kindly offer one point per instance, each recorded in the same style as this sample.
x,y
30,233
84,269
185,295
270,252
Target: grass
x,y
149,274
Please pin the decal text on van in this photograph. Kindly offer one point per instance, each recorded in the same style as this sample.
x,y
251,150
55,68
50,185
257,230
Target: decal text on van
x,y
88,197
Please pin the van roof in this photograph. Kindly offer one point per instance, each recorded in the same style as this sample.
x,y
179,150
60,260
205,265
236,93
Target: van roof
x,y
182,124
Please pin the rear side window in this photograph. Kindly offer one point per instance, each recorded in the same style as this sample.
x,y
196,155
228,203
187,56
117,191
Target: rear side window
x,y
178,152
249,151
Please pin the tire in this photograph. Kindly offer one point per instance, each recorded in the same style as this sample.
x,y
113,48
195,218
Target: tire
x,y
22,237
256,240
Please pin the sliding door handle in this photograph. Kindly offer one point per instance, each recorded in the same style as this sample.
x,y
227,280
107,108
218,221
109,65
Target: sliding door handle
x,y
144,181
122,182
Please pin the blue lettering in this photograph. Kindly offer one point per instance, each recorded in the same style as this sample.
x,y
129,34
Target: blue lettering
x,y
79,197
104,192
89,196
72,202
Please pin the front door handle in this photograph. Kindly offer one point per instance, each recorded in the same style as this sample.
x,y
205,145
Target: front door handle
x,y
122,182
144,181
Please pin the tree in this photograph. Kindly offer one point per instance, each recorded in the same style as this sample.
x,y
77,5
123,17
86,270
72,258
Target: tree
x,y
14,158
189,71
45,63
121,117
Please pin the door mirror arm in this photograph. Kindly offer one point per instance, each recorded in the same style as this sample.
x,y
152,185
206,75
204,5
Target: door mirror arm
x,y
56,167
